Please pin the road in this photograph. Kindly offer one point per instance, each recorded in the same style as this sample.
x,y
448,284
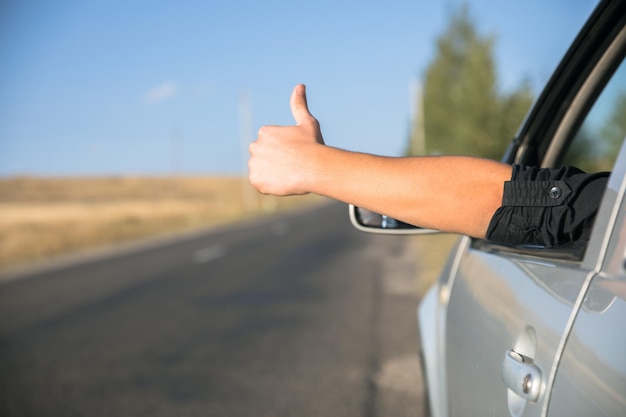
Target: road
x,y
297,315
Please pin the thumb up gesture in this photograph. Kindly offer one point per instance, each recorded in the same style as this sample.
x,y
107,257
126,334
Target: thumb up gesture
x,y
281,157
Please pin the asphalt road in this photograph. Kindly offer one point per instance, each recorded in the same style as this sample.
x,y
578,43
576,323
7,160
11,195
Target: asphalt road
x,y
298,315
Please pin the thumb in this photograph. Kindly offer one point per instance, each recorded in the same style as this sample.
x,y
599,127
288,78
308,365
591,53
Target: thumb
x,y
299,107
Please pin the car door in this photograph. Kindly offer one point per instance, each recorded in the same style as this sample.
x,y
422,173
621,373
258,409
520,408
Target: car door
x,y
511,309
591,374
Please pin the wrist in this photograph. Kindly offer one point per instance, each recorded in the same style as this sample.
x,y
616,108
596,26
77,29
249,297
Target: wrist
x,y
315,164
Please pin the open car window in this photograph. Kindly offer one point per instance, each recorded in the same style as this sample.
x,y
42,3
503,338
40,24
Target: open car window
x,y
589,135
599,138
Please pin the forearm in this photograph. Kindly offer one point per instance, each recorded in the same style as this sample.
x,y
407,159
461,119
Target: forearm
x,y
455,194
450,193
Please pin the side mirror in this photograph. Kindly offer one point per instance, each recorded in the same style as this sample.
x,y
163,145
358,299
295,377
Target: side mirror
x,y
368,221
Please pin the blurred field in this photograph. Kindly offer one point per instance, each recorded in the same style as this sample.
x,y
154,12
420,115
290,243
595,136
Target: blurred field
x,y
44,217
432,252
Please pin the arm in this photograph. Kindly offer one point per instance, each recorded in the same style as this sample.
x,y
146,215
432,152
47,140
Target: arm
x,y
450,193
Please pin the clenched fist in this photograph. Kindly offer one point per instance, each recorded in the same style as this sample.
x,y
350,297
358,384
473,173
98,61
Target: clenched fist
x,y
282,158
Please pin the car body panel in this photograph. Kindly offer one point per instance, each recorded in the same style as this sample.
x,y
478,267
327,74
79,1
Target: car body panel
x,y
591,378
431,317
497,304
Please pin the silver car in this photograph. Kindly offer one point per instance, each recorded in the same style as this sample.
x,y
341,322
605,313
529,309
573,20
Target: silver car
x,y
528,331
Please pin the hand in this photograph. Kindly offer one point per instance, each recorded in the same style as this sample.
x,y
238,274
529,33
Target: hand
x,y
281,160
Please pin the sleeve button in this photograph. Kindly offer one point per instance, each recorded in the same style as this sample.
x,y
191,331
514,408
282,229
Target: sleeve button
x,y
555,192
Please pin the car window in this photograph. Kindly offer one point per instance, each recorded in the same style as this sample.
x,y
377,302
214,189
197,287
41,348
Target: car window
x,y
600,120
598,140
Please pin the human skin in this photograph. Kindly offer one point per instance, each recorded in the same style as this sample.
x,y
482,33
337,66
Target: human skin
x,y
456,194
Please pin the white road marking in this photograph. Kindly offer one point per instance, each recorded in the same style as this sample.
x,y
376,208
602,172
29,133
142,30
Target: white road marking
x,y
208,254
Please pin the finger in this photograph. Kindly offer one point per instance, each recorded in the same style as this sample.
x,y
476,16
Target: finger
x,y
299,107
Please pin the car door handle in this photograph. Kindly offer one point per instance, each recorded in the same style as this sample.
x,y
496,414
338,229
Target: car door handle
x,y
521,375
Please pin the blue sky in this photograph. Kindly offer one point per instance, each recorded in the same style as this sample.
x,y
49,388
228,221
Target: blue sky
x,y
154,87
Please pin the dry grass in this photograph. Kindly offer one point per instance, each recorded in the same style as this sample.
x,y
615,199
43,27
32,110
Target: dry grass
x,y
432,252
44,217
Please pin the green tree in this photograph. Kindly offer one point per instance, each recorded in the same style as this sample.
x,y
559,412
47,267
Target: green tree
x,y
614,130
597,144
463,111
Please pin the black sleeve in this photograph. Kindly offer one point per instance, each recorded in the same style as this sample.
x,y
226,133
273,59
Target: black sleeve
x,y
547,206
